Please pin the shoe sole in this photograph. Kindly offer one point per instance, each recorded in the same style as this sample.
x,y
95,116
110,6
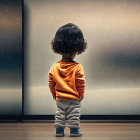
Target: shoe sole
x,y
60,135
75,135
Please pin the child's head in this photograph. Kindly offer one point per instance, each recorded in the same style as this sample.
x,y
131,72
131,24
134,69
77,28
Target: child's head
x,y
69,39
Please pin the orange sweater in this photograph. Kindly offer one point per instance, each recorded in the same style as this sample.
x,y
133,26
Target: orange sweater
x,y
66,80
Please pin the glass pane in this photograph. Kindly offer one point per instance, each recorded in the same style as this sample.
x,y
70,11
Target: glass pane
x,y
11,57
111,62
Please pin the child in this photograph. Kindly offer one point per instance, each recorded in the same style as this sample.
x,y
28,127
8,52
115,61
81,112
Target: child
x,y
66,78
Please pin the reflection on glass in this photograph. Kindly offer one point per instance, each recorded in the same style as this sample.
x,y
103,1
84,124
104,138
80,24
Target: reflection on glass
x,y
10,57
111,62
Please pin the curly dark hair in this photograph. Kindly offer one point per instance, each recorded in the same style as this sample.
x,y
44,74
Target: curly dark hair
x,y
69,39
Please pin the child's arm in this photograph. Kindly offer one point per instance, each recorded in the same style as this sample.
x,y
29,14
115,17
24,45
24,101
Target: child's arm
x,y
52,84
80,81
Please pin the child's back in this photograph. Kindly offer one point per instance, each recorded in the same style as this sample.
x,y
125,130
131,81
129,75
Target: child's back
x,y
68,79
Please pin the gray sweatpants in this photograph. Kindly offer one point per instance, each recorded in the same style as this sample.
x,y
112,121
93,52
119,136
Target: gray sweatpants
x,y
70,110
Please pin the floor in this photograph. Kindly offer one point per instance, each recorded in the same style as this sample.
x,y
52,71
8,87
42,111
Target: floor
x,y
91,131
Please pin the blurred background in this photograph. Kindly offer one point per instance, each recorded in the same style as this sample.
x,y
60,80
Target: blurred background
x,y
10,57
111,62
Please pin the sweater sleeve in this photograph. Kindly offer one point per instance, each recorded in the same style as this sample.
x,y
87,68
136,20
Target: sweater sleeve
x,y
80,81
51,83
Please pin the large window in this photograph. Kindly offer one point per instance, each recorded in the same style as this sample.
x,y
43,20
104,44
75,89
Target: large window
x,y
111,62
10,57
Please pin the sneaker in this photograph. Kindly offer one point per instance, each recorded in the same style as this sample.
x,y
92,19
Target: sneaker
x,y
60,132
75,132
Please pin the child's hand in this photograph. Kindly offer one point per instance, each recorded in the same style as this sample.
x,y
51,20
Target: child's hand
x,y
81,98
54,97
